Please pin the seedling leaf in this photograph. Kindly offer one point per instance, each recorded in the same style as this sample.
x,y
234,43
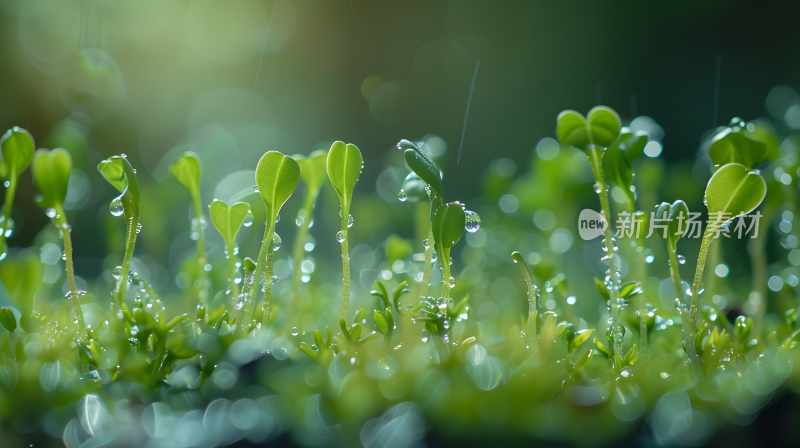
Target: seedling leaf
x,y
277,177
734,191
600,128
51,170
17,149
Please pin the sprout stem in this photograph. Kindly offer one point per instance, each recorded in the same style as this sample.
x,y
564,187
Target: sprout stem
x,y
299,242
595,156
643,264
533,293
265,261
232,272
708,236
426,275
444,259
130,242
345,265
73,290
9,204
201,247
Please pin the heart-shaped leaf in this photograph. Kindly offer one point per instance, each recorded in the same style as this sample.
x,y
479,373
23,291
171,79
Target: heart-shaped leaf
x,y
186,170
17,148
119,173
8,319
277,176
22,275
344,166
734,191
51,171
227,220
737,145
448,224
678,215
313,169
631,144
600,128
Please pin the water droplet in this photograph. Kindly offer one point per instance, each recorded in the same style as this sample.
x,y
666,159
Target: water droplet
x,y
255,188
116,206
597,187
473,222
424,335
349,221
425,243
248,219
138,227
435,257
648,256
402,195
50,212
681,259
294,331
64,256
446,324
276,242
6,184
275,279
117,272
452,282
340,237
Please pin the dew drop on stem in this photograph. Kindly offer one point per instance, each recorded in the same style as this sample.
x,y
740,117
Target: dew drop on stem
x,y
50,212
276,242
340,237
116,206
425,243
349,221
597,187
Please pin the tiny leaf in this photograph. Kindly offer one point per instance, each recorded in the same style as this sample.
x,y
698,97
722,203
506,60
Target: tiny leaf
x,y
228,219
186,170
600,128
277,176
344,166
312,169
448,224
734,191
7,319
17,149
51,170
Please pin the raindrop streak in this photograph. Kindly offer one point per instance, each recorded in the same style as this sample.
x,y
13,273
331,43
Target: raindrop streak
x,y
248,219
473,222
116,206
264,48
466,115
340,237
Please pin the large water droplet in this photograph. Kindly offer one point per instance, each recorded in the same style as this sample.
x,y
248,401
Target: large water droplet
x,y
681,259
255,188
275,279
340,237
276,242
425,243
294,331
277,218
402,195
648,256
50,212
116,206
248,219
473,222
7,184
349,221
597,187
117,272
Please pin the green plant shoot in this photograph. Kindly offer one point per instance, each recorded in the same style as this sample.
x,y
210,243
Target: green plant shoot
x,y
313,173
228,220
119,173
277,176
186,170
17,151
344,165
51,170
448,226
592,134
532,292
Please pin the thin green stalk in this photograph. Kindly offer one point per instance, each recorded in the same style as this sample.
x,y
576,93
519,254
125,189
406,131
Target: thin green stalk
x,y
299,242
533,293
232,272
130,242
268,285
708,236
73,290
9,204
345,266
264,258
686,325
674,273
426,275
444,259
643,263
201,247
595,156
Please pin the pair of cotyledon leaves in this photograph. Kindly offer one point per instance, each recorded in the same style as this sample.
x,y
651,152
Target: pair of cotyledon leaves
x,y
448,219
120,174
732,191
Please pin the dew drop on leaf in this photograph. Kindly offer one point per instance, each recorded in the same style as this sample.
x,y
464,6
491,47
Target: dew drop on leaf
x,y
116,206
248,219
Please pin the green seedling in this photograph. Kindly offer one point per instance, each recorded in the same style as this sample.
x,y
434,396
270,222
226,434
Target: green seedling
x,y
277,176
533,293
228,220
731,192
17,151
186,170
120,174
387,300
592,135
344,165
352,335
21,275
448,226
323,349
384,320
430,179
312,173
51,170
737,144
